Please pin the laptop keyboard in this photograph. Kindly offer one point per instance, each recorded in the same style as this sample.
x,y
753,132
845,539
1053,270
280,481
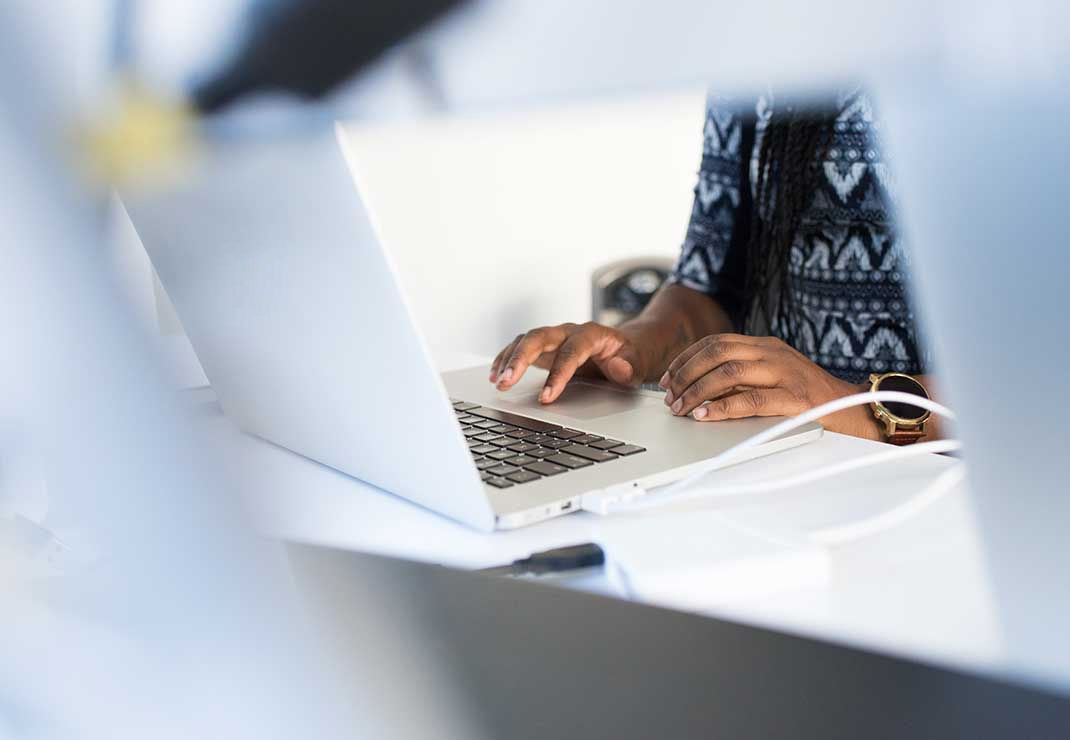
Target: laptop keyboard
x,y
510,449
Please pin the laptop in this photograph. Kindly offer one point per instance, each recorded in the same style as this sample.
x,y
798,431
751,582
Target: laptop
x,y
293,306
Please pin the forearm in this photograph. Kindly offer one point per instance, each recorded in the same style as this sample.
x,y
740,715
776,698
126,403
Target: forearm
x,y
674,319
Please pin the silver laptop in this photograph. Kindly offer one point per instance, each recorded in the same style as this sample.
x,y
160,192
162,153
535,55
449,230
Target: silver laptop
x,y
293,307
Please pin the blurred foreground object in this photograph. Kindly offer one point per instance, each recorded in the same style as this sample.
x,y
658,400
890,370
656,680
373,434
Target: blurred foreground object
x,y
186,625
305,48
140,135
309,47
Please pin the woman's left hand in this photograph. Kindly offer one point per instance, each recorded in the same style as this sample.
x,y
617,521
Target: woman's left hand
x,y
732,376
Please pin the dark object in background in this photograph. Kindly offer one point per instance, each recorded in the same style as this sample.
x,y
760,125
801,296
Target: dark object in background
x,y
541,662
308,47
620,290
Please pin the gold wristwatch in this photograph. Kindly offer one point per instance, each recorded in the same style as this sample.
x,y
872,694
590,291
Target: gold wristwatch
x,y
901,423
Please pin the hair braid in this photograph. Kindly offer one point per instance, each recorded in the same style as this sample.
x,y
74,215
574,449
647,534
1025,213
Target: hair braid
x,y
786,179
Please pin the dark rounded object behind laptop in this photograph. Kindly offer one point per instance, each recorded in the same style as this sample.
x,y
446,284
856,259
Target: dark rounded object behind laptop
x,y
621,289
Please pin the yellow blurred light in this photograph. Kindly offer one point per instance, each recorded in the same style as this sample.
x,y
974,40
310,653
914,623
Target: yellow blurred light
x,y
143,137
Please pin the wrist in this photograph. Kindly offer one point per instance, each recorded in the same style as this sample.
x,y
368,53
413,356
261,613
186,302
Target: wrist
x,y
857,421
865,425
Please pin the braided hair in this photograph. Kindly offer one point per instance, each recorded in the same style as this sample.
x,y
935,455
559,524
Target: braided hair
x,y
786,181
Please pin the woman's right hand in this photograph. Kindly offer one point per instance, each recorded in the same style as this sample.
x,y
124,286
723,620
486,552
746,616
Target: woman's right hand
x,y
565,350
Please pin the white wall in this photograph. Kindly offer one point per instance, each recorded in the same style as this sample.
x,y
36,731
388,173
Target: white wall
x,y
496,222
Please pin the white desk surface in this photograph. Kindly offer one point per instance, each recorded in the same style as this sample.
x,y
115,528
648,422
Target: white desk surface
x,y
918,590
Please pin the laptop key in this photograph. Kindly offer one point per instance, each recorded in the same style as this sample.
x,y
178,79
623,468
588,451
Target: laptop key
x,y
519,421
523,476
586,439
589,453
605,444
500,454
569,461
555,444
523,447
542,467
520,434
487,436
628,449
499,482
464,406
506,429
483,463
503,441
485,424
483,448
538,439
566,433
503,469
520,460
471,431
541,452
468,419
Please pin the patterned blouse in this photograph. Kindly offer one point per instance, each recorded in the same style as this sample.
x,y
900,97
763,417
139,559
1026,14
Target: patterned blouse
x,y
847,269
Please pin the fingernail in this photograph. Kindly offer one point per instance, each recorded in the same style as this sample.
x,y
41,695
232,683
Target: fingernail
x,y
668,398
507,375
664,382
545,395
678,405
493,376
699,413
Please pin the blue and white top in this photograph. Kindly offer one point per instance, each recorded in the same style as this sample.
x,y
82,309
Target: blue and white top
x,y
847,269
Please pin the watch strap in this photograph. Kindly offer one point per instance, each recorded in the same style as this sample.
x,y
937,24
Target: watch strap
x,y
903,437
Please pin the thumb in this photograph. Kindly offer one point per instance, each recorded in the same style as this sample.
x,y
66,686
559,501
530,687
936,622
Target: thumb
x,y
622,367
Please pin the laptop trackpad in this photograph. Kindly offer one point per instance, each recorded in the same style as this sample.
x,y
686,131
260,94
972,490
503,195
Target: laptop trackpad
x,y
581,400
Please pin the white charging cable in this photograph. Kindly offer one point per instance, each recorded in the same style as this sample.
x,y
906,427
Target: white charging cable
x,y
629,496
895,454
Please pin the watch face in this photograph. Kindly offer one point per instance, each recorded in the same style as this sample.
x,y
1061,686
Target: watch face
x,y
903,385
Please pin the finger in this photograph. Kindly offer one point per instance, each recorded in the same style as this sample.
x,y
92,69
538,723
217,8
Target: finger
x,y
527,350
544,360
751,402
698,345
500,358
505,355
722,379
714,351
617,361
619,368
572,353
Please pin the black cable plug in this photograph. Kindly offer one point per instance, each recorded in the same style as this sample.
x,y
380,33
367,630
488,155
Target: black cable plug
x,y
557,560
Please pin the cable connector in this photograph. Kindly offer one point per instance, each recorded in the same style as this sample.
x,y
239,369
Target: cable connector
x,y
557,560
610,499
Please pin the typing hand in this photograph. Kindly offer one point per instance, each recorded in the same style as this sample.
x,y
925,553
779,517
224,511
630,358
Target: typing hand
x,y
731,376
565,350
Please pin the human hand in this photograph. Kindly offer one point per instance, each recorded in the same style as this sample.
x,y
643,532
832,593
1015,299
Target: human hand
x,y
732,376
568,349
